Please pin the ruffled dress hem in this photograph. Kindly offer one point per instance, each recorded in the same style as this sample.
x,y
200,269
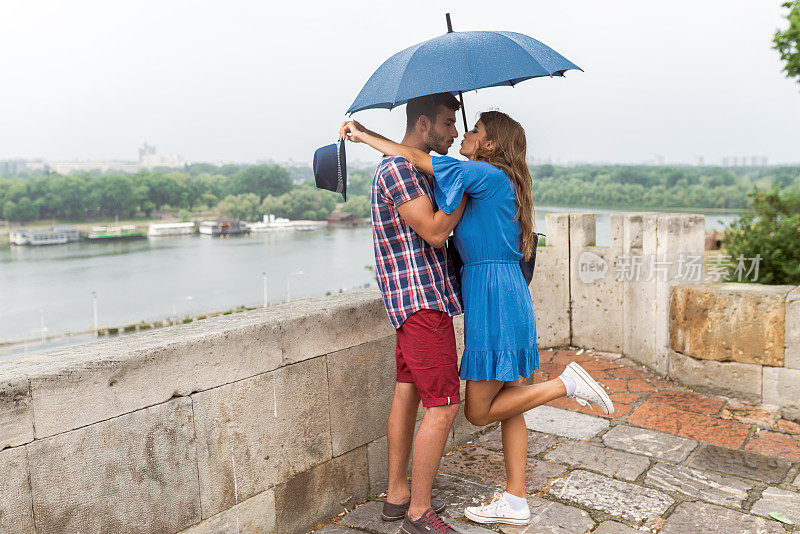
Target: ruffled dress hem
x,y
498,364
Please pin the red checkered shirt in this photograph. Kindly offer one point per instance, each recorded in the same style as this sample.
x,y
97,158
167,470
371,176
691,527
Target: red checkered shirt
x,y
412,274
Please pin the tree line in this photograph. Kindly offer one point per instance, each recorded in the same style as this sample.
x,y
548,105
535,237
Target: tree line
x,y
249,192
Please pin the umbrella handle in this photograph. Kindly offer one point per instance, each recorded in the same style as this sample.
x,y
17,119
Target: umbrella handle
x,y
460,96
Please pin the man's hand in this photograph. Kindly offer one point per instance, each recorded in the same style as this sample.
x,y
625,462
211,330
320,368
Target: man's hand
x,y
352,131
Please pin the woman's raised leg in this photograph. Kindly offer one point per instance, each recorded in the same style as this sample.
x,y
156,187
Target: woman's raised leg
x,y
489,401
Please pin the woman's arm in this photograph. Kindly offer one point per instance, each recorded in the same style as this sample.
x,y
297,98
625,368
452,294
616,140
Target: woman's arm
x,y
433,227
356,133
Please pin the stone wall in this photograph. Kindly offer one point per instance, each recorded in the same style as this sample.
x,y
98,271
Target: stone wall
x,y
274,420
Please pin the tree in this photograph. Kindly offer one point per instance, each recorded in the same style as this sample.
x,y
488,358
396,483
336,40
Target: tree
x,y
9,211
787,42
263,180
25,211
769,229
243,207
359,206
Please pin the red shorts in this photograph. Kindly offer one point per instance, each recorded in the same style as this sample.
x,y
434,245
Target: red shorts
x,y
426,357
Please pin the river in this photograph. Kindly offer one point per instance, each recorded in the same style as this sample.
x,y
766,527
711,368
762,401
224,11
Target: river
x,y
51,287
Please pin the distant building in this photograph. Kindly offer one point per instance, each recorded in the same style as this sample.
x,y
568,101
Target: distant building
x,y
744,161
148,159
699,161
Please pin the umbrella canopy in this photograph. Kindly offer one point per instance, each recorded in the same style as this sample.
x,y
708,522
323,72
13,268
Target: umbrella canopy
x,y
456,62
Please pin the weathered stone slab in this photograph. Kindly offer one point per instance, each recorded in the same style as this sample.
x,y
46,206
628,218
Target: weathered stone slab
x,y
614,497
490,466
704,485
117,374
361,387
564,422
612,527
16,512
549,517
782,387
378,461
649,442
715,322
16,412
740,463
465,526
134,473
702,518
779,501
797,481
322,492
268,428
608,461
368,517
550,285
736,379
458,492
792,358
256,515
537,442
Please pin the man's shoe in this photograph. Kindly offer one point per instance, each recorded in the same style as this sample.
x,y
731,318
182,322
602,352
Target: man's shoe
x,y
396,512
498,511
429,523
587,390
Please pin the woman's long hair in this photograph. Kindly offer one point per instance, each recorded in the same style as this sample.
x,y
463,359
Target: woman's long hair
x,y
508,154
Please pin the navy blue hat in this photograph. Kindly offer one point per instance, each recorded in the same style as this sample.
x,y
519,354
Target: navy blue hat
x,y
330,168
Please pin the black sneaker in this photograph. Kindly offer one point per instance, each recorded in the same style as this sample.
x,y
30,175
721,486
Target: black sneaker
x,y
429,523
396,512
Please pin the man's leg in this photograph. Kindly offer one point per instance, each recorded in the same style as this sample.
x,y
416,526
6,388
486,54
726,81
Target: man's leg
x,y
400,435
428,450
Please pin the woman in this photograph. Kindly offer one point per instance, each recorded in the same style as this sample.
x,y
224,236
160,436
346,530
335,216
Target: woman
x,y
495,231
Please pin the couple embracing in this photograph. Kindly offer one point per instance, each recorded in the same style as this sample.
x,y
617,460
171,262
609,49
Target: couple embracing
x,y
486,201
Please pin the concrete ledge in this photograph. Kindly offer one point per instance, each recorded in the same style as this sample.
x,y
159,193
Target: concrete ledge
x,y
734,379
716,322
117,374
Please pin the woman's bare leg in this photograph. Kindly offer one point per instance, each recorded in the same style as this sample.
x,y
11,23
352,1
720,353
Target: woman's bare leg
x,y
515,449
489,401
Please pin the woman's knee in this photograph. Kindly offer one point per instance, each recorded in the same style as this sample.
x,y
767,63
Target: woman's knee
x,y
476,415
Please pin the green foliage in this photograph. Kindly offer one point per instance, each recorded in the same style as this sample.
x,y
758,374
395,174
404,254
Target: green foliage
x,y
769,228
304,202
263,180
787,42
246,207
358,206
359,182
654,187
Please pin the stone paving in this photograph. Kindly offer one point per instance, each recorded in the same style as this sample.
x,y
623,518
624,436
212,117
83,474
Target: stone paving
x,y
669,460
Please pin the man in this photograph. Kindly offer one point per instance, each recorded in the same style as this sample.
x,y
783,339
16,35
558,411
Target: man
x,y
419,290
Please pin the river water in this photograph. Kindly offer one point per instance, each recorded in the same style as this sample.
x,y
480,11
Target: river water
x,y
154,279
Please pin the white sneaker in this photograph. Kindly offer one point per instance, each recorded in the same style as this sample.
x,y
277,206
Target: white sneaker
x,y
587,390
498,511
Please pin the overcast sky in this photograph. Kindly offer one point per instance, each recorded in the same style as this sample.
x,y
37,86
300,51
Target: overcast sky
x,y
243,80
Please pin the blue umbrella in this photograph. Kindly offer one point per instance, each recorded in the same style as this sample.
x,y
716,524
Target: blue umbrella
x,y
457,62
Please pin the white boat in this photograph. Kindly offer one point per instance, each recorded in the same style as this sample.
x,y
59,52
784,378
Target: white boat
x,y
271,224
165,229
24,236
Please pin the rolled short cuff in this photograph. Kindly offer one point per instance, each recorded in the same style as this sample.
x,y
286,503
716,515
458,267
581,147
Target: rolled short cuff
x,y
441,401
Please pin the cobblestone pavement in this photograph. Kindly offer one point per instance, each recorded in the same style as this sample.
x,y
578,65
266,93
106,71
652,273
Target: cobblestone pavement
x,y
669,460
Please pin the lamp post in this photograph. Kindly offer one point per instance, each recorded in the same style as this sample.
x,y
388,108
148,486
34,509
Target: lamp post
x,y
289,284
42,328
94,308
264,274
174,309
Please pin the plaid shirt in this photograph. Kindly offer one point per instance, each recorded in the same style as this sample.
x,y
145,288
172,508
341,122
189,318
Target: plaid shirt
x,y
412,274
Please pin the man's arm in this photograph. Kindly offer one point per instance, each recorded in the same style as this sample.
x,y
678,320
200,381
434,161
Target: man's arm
x,y
433,227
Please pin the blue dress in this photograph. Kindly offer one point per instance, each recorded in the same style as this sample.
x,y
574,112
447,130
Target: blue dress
x,y
499,323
